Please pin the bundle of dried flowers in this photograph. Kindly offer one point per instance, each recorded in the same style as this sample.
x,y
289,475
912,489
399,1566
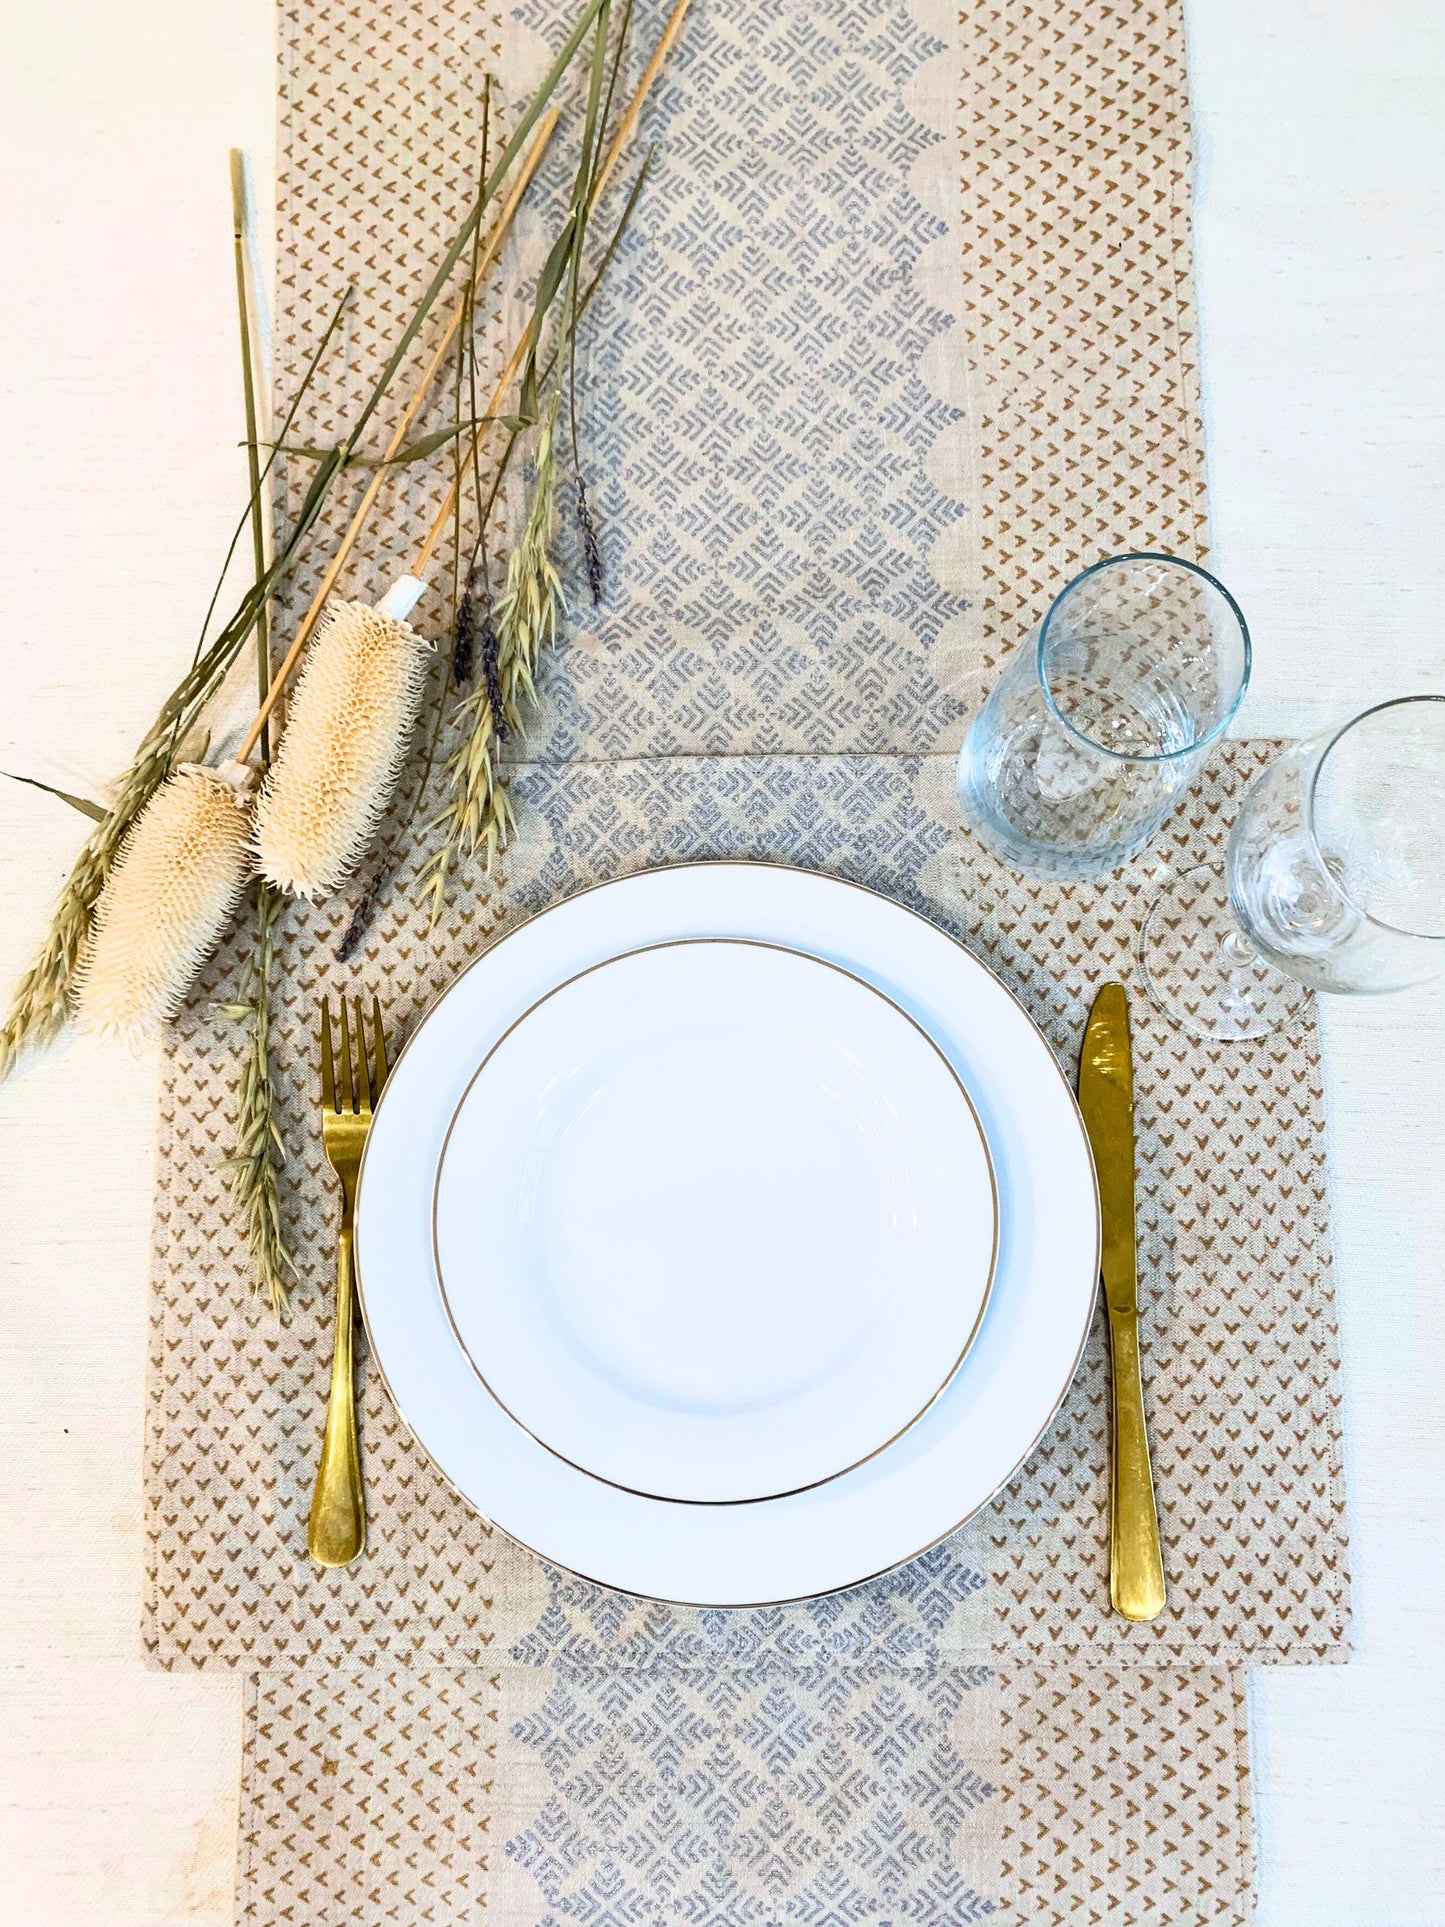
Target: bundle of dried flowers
x,y
477,818
43,997
163,870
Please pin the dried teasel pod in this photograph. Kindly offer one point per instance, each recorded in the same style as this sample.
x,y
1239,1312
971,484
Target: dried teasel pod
x,y
175,883
343,749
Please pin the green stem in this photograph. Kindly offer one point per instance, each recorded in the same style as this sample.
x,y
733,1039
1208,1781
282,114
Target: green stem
x,y
606,116
466,356
253,448
277,448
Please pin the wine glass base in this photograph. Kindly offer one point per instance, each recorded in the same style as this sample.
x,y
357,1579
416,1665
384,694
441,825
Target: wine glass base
x,y
1203,972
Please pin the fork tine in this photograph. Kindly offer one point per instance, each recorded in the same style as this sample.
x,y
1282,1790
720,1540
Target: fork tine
x,y
363,1075
328,1072
346,1098
380,1036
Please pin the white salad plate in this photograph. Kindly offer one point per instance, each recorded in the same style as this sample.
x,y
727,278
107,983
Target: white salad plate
x,y
945,1465
715,1221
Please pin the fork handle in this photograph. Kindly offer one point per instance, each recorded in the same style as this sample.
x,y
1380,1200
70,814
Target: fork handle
x,y
336,1533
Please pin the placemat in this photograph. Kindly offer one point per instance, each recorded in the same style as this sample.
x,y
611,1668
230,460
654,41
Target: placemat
x,y
900,337
1237,1315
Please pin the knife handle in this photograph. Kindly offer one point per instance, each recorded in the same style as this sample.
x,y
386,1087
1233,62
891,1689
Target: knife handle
x,y
1136,1565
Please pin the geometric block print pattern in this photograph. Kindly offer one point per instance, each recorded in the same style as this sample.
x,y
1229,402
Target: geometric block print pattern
x,y
904,1620
552,1798
1044,1797
767,377
900,337
766,436
366,1797
1125,1797
712,1797
1236,1307
1079,311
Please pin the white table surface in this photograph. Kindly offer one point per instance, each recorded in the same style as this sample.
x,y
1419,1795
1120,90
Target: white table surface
x,y
1321,132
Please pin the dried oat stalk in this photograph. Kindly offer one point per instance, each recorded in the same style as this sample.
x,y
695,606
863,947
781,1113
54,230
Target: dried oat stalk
x,y
477,819
254,1167
40,1005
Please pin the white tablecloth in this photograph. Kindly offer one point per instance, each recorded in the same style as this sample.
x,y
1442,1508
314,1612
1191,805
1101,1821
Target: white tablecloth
x,y
1321,135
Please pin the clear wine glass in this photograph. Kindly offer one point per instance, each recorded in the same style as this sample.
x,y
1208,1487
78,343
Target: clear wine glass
x,y
1334,880
1103,715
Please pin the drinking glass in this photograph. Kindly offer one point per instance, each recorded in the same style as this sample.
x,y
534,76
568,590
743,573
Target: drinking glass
x,y
1334,879
1102,717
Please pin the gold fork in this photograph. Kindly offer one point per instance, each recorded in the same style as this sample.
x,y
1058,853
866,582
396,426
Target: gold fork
x,y
336,1533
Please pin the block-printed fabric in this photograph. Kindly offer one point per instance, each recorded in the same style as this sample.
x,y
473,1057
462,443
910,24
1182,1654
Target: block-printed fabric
x,y
900,336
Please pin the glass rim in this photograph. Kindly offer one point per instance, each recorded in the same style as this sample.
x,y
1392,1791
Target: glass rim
x,y
1335,737
1114,562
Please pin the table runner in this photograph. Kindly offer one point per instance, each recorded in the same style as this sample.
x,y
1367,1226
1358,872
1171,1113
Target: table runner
x,y
1019,1797
999,385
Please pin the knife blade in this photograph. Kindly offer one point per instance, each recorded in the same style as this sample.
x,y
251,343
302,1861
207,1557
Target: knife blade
x,y
1106,1098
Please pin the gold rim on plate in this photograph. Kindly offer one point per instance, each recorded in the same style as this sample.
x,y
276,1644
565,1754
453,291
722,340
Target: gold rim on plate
x,y
786,950
892,1565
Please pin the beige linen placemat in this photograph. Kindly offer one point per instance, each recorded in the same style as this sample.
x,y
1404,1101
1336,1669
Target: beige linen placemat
x,y
628,1746
959,241
1237,1316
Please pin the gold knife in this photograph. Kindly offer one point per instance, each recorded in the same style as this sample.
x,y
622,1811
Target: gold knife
x,y
1106,1098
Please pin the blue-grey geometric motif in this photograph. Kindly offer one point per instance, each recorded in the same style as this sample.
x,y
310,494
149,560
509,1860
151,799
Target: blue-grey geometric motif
x,y
909,1618
788,1763
858,817
754,426
829,1799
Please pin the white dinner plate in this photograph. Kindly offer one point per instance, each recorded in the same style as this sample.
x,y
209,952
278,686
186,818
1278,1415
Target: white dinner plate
x,y
944,1467
715,1221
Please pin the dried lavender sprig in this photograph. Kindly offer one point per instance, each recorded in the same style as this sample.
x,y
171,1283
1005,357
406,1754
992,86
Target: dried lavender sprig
x,y
464,631
361,916
591,548
259,1154
492,676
